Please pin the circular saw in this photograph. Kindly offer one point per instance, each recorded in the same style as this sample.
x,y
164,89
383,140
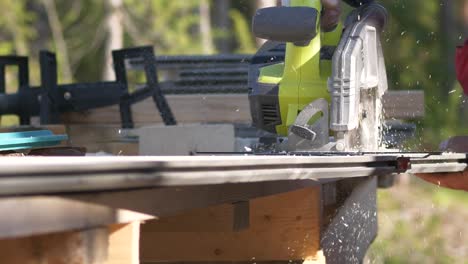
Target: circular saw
x,y
326,94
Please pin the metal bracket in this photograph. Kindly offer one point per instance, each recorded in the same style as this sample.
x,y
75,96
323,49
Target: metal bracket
x,y
23,80
152,88
49,96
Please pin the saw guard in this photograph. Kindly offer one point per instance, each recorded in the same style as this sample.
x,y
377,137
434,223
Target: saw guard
x,y
358,64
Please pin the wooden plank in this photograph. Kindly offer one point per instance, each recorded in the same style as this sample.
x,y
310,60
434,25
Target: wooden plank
x,y
114,148
124,241
404,104
40,215
186,108
282,227
75,247
97,133
228,108
103,138
115,244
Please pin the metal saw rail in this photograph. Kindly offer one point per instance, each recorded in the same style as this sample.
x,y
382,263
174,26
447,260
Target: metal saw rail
x,y
36,175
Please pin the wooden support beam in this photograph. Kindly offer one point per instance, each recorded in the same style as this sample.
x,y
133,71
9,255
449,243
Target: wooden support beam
x,y
37,215
74,247
114,244
124,244
228,108
282,227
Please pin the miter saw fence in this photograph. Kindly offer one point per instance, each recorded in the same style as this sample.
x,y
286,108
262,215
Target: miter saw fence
x,y
330,83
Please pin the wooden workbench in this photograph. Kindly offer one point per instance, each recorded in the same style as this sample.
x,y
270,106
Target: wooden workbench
x,y
242,223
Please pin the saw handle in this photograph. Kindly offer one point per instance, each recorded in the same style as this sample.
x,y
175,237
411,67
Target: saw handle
x,y
372,14
286,24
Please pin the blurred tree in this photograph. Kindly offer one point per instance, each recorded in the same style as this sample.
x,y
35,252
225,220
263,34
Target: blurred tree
x,y
84,30
16,27
115,31
205,27
59,40
241,28
448,33
222,22
419,55
171,26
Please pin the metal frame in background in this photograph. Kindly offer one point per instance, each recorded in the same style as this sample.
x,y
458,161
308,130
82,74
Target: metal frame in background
x,y
146,54
51,99
23,83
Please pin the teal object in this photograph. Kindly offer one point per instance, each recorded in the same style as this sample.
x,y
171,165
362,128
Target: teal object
x,y
29,140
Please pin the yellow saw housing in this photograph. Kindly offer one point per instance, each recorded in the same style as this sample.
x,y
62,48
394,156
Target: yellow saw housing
x,y
285,88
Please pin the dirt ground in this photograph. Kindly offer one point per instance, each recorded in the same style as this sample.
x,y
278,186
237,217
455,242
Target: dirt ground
x,y
421,223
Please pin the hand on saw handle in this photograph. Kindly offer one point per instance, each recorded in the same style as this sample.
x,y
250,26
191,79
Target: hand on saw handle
x,y
455,181
332,11
458,180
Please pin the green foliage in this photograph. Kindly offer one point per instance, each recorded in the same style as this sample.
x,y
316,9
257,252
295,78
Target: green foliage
x,y
242,32
16,26
171,26
416,52
83,24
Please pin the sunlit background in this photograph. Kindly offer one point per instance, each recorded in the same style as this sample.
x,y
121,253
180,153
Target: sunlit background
x,y
419,223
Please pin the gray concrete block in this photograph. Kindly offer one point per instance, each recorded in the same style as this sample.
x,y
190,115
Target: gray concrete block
x,y
185,139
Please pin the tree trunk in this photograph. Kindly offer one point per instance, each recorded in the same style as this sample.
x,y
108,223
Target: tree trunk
x,y
448,36
223,23
57,34
263,4
205,27
114,22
